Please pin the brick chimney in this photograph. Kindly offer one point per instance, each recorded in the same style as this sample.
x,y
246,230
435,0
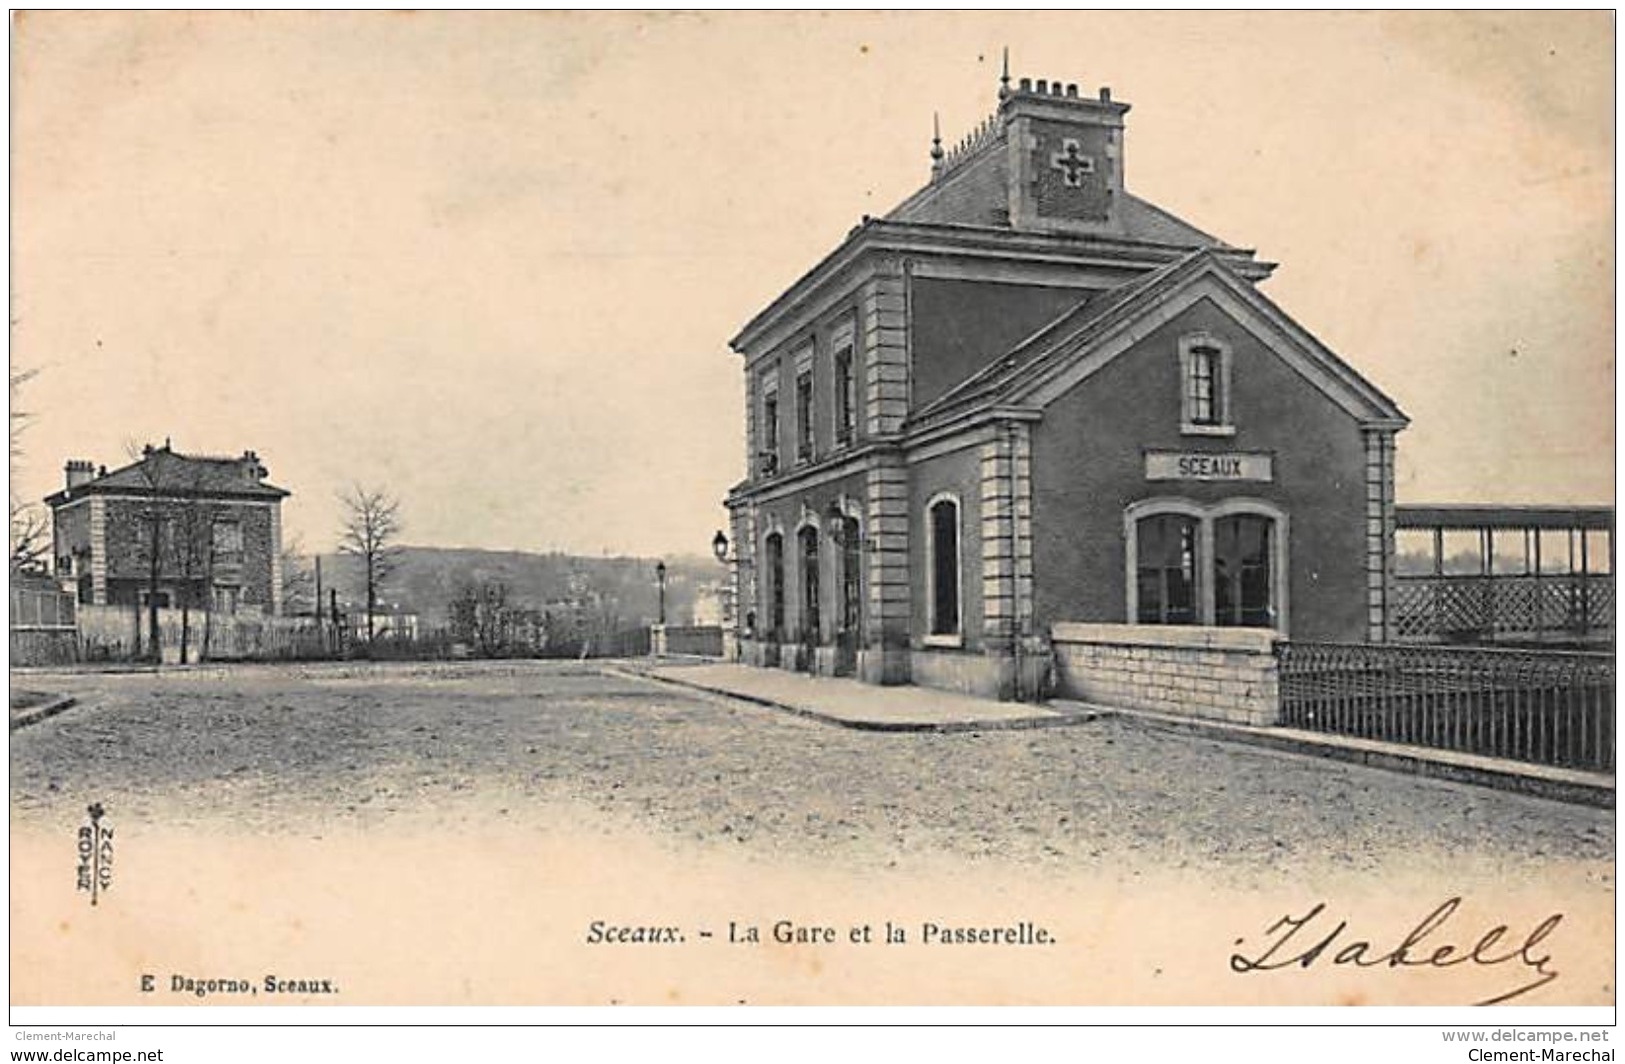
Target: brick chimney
x,y
1067,156
253,468
79,471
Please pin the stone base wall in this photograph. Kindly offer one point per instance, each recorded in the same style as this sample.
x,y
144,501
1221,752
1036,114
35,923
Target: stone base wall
x,y
824,661
984,675
883,665
794,657
1228,674
759,653
705,641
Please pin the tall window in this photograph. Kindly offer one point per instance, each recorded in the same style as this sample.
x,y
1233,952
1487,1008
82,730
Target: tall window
x,y
158,530
1204,364
1167,569
770,434
851,575
804,417
775,585
1203,383
809,583
944,522
228,543
1241,571
845,396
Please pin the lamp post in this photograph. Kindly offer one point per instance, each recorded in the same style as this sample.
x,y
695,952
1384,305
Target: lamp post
x,y
730,622
657,631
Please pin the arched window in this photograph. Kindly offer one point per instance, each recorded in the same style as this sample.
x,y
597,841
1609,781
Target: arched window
x,y
1242,560
851,575
775,585
809,583
1222,564
942,518
1166,567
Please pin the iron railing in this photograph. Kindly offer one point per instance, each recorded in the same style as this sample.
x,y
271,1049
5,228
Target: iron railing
x,y
1547,707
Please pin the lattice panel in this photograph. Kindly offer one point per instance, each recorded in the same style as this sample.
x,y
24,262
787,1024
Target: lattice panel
x,y
1413,609
1514,606
1601,602
1431,608
1461,606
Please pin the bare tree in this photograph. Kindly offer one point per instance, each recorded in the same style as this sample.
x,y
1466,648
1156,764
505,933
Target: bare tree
x,y
193,548
30,528
298,578
19,417
30,538
484,616
154,546
372,525
176,542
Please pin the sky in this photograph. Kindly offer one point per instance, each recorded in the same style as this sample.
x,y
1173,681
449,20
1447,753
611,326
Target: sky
x,y
491,262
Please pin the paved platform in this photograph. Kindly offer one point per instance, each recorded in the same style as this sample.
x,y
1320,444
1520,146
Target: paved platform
x,y
852,704
1522,777
863,706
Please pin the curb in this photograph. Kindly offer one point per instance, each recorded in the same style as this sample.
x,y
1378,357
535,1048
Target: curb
x,y
35,714
1497,774
1058,720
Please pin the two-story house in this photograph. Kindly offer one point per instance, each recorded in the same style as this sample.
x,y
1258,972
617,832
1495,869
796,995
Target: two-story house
x,y
207,531
1027,396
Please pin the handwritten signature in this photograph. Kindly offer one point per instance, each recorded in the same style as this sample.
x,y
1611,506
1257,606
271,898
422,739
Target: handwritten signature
x,y
1295,942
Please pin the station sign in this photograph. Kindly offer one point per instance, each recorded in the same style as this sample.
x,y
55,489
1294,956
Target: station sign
x,y
1209,465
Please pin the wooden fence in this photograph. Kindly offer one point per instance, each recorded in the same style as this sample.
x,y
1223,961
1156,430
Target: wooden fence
x,y
123,633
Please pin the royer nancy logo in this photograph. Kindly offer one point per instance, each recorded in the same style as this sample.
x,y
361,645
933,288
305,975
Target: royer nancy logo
x,y
95,853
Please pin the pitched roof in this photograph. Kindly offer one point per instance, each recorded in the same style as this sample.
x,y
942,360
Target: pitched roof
x,y
1144,220
1038,361
1065,332
161,471
973,193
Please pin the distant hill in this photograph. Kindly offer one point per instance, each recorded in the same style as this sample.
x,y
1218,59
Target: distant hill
x,y
428,578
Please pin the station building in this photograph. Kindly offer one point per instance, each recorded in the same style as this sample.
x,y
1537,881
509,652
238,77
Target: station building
x,y
1027,396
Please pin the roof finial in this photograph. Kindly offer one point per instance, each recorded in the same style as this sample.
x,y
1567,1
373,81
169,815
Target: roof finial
x,y
1004,78
936,145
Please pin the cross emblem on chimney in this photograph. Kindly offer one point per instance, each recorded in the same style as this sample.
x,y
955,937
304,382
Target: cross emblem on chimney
x,y
1072,163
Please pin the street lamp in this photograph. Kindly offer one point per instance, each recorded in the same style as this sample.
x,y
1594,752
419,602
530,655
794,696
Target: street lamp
x,y
730,602
660,578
